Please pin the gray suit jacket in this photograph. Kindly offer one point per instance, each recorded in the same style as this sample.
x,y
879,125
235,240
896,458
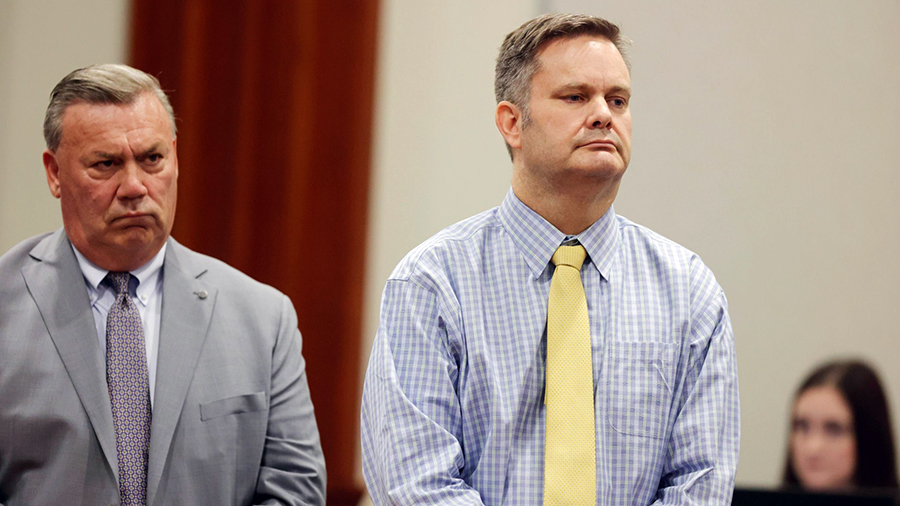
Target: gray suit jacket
x,y
232,418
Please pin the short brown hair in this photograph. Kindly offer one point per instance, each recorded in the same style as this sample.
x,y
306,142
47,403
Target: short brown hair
x,y
109,83
518,62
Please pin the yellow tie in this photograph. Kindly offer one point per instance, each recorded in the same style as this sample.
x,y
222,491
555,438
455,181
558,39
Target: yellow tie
x,y
570,459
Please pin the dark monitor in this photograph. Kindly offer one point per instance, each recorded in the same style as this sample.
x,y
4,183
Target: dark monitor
x,y
767,497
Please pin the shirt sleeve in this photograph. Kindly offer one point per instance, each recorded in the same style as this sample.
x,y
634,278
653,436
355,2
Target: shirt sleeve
x,y
411,425
703,449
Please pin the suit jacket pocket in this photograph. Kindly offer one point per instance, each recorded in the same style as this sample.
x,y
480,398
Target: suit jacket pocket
x,y
233,405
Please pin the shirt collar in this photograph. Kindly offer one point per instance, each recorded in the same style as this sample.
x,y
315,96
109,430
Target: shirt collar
x,y
147,274
537,239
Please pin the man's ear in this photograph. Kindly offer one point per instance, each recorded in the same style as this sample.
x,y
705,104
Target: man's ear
x,y
509,121
51,166
175,154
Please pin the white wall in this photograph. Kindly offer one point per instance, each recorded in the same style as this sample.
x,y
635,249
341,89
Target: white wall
x,y
40,42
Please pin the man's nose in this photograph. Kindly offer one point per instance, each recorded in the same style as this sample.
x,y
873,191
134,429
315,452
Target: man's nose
x,y
131,184
600,117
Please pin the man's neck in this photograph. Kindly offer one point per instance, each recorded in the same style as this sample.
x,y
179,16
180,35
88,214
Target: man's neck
x,y
571,209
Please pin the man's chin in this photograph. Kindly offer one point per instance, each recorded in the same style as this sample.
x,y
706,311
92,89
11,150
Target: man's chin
x,y
608,169
136,241
124,251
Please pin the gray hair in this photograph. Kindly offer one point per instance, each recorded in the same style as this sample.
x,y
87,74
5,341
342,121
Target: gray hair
x,y
518,62
109,83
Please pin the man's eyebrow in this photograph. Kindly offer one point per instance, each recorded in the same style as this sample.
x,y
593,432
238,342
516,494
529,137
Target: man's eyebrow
x,y
156,147
621,89
585,86
575,86
99,155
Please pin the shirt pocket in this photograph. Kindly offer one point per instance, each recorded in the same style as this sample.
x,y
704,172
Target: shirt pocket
x,y
639,387
233,405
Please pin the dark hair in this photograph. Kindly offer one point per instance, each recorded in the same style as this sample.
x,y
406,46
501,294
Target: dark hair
x,y
876,464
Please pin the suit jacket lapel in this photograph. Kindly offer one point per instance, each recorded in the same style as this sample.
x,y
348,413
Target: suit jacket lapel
x,y
57,285
183,327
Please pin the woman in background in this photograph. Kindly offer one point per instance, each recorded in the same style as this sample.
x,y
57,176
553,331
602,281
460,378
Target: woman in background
x,y
841,436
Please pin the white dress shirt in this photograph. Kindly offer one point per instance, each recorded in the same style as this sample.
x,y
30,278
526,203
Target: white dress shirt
x,y
147,294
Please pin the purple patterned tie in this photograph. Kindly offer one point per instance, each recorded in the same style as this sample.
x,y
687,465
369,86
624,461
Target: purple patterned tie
x,y
129,391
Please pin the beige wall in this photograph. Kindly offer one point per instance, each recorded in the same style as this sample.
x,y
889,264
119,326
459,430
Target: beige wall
x,y
40,42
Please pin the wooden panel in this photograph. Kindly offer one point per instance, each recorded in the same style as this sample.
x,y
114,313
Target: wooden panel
x,y
274,104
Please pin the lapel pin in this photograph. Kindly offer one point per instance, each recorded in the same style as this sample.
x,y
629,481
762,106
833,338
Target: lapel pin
x,y
201,293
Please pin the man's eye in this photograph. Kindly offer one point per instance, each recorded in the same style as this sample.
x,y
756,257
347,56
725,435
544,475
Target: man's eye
x,y
104,164
155,157
619,102
574,98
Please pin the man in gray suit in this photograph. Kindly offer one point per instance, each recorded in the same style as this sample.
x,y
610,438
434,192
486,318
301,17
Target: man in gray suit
x,y
132,369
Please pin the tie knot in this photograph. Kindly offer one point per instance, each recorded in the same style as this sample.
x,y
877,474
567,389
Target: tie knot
x,y
573,256
119,281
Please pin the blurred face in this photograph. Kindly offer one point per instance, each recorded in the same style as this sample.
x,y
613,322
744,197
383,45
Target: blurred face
x,y
579,122
115,174
823,440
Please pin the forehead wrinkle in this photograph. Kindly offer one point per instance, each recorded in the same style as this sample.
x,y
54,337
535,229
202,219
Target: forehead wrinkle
x,y
105,154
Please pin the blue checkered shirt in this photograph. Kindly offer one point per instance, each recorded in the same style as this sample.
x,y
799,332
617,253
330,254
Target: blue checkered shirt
x,y
453,409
